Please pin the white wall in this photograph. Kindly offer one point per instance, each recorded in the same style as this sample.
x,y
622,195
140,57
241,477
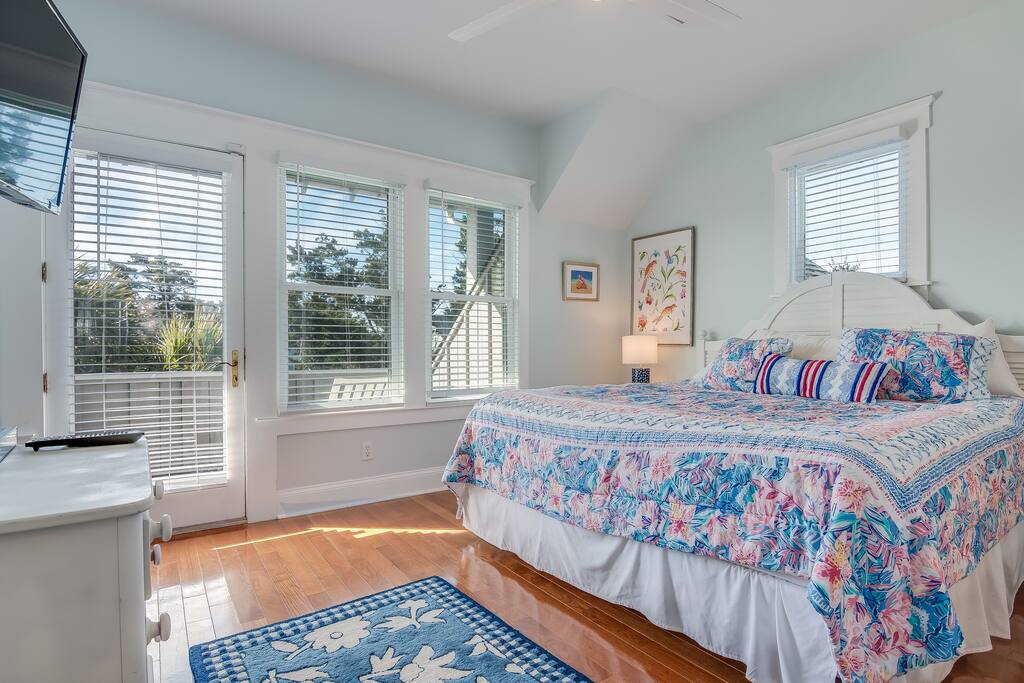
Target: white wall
x,y
723,181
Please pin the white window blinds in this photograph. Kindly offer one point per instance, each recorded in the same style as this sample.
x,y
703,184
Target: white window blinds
x,y
472,305
341,303
147,297
848,214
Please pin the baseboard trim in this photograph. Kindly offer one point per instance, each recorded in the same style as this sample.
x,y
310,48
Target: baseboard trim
x,y
304,500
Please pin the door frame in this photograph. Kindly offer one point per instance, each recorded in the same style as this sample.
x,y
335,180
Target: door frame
x,y
204,506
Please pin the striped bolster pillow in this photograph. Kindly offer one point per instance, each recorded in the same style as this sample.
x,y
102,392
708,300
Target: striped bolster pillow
x,y
824,379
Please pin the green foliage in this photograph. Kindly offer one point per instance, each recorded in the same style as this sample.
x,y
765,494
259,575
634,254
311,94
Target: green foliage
x,y
142,316
191,343
339,331
844,266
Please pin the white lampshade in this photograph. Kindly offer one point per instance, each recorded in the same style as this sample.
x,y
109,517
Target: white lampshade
x,y
639,349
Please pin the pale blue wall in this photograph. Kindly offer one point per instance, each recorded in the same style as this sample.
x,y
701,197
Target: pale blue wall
x,y
723,183
139,48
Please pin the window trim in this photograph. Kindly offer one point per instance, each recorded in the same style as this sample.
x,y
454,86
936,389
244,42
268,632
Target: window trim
x,y
511,299
909,122
395,291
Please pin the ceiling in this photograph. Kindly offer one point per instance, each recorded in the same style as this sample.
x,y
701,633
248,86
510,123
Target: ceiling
x,y
553,58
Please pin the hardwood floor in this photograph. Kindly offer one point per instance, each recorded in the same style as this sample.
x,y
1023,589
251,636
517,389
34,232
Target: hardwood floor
x,y
222,582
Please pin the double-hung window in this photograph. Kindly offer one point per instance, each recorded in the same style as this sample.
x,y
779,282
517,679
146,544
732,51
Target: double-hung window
x,y
849,214
342,291
473,338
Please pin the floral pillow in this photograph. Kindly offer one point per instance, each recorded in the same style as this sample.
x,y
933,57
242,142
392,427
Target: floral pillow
x,y
940,367
738,360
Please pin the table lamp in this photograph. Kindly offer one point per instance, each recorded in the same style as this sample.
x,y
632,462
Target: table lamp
x,y
640,351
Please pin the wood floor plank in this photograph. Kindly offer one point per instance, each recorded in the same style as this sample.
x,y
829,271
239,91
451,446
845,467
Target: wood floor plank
x,y
225,619
272,605
190,573
240,590
221,582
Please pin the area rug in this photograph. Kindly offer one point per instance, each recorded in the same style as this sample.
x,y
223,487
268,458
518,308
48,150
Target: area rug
x,y
423,632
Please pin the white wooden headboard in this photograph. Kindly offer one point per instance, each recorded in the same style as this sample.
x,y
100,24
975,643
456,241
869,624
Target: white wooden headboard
x,y
822,306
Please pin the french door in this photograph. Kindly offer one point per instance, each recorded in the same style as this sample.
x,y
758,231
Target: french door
x,y
145,313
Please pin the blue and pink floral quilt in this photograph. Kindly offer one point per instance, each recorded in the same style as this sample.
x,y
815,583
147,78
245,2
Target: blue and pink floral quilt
x,y
881,507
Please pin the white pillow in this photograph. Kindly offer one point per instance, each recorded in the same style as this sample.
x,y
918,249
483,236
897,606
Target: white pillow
x,y
1001,381
806,346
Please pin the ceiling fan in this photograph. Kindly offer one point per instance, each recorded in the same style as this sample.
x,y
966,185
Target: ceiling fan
x,y
677,11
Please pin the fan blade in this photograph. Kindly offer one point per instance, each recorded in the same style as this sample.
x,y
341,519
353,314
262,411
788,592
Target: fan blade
x,y
684,11
491,21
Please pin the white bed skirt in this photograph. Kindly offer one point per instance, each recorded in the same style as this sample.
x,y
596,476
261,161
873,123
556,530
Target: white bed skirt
x,y
759,618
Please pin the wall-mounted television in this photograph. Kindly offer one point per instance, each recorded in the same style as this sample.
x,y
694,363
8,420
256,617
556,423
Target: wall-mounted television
x,y
41,69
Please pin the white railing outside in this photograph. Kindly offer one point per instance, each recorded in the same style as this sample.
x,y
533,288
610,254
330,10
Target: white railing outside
x,y
182,414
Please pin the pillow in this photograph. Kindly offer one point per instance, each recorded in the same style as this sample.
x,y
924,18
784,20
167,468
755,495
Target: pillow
x,y
823,379
806,346
736,364
940,367
1001,381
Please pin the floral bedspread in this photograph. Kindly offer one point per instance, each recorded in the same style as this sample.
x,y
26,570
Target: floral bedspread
x,y
879,506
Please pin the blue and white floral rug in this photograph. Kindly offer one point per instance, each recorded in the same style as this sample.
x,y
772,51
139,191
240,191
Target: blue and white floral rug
x,y
422,632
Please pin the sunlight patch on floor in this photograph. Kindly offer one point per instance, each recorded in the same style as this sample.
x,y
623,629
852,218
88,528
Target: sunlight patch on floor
x,y
357,532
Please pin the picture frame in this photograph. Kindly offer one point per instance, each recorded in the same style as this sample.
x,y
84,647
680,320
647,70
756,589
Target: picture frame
x,y
662,275
580,281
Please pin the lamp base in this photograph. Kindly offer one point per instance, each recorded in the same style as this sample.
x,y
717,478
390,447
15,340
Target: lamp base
x,y
641,375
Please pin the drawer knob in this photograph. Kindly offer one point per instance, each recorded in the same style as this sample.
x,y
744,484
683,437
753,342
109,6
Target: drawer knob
x,y
162,530
158,490
159,631
156,554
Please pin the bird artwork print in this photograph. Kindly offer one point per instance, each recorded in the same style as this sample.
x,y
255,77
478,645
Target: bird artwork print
x,y
662,268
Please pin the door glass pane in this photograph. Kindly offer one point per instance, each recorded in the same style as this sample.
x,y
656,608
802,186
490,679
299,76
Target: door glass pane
x,y
147,249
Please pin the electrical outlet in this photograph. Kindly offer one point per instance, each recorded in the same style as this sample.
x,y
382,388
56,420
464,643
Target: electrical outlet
x,y
367,450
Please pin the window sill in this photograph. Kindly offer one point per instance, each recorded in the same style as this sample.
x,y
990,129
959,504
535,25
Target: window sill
x,y
365,418
456,400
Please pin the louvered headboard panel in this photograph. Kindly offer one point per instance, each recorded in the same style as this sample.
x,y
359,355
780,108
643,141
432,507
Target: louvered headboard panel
x,y
824,305
1013,349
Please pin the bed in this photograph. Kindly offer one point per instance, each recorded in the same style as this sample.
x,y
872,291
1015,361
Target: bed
x,y
806,538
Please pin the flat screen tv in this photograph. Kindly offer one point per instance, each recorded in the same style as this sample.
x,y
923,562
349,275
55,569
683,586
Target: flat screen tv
x,y
41,69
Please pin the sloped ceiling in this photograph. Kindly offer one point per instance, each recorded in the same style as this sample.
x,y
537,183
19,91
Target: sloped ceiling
x,y
600,163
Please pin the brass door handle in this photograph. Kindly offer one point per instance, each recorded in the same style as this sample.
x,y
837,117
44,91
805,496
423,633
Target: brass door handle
x,y
234,367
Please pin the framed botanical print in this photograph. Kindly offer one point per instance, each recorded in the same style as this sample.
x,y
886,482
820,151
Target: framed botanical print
x,y
662,273
580,281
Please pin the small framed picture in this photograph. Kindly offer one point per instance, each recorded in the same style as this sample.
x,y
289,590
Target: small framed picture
x,y
579,281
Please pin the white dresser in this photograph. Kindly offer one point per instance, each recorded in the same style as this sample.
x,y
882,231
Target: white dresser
x,y
75,557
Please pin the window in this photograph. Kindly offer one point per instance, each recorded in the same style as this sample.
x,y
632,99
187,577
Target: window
x,y
472,303
342,291
854,197
147,308
848,214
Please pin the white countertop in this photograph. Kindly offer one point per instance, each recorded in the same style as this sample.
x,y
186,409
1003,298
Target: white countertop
x,y
70,485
